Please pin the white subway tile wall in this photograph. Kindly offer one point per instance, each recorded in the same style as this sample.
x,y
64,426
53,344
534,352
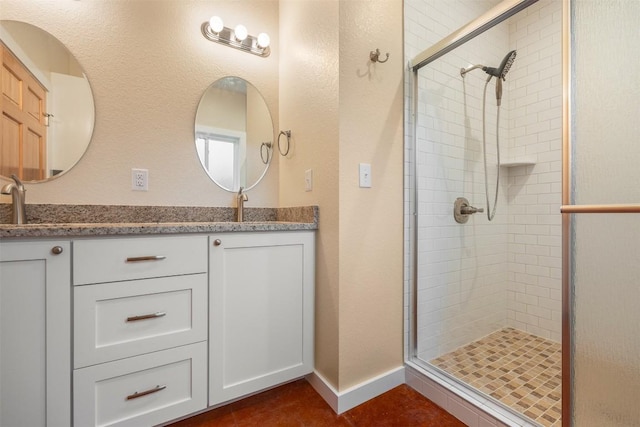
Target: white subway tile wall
x,y
478,277
535,192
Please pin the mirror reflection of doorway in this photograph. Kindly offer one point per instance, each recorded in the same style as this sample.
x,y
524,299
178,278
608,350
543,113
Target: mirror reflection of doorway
x,y
23,147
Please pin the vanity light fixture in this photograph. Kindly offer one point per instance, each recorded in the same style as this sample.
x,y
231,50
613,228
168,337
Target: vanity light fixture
x,y
240,32
238,37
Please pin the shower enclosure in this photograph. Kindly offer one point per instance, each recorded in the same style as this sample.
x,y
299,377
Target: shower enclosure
x,y
507,314
487,293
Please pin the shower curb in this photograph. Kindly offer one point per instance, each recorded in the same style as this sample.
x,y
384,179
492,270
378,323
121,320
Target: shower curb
x,y
474,412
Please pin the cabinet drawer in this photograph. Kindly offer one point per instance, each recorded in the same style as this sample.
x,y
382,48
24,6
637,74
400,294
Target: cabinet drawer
x,y
144,390
111,260
123,319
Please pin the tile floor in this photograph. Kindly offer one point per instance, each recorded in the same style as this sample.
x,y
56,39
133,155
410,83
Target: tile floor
x,y
298,404
519,369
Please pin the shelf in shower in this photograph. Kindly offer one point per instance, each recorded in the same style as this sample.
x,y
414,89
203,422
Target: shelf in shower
x,y
518,162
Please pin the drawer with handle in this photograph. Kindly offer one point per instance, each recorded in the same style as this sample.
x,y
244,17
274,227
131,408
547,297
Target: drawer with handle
x,y
122,319
142,390
115,259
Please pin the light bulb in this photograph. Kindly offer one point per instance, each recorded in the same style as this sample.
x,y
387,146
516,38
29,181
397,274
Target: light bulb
x,y
263,40
216,24
240,32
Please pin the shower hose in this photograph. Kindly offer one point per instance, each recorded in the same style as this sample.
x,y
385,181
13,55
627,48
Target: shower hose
x,y
490,212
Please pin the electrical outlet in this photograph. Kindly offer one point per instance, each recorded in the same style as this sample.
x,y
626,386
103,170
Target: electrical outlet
x,y
140,179
365,175
308,180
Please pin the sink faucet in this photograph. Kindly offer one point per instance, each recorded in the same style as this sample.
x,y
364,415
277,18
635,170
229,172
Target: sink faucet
x,y
240,199
17,191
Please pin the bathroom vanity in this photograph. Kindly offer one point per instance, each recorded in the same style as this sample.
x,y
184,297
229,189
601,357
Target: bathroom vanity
x,y
141,324
139,315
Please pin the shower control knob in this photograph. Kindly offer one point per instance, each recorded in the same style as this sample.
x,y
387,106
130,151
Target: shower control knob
x,y
468,210
462,209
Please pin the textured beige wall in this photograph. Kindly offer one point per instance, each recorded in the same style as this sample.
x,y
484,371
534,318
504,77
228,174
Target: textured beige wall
x,y
371,219
309,108
342,111
148,65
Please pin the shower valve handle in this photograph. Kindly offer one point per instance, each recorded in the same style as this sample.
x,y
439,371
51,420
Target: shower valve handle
x,y
462,210
468,210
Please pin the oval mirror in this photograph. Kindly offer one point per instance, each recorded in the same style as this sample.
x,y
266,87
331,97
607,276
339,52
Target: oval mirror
x,y
234,134
48,110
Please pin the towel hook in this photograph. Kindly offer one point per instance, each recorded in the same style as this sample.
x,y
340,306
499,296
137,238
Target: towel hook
x,y
374,56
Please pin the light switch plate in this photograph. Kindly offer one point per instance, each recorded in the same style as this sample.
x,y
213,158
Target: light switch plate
x,y
365,175
308,180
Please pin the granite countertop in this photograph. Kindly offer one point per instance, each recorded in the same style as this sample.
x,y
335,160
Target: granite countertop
x,y
101,220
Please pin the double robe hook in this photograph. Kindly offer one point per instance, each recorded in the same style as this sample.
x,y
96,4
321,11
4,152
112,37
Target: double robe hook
x,y
374,56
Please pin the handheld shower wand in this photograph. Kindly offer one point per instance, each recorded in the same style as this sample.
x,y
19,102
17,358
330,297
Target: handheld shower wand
x,y
499,72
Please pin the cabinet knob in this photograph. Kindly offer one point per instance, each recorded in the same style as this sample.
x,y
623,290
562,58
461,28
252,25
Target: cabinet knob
x,y
57,250
217,242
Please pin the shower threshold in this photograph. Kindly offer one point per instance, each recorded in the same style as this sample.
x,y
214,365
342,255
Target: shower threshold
x,y
521,370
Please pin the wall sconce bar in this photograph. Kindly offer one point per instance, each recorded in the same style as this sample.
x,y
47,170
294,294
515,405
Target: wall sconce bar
x,y
236,38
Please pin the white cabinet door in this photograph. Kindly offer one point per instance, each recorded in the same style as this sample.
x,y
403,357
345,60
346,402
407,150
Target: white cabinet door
x,y
35,334
261,311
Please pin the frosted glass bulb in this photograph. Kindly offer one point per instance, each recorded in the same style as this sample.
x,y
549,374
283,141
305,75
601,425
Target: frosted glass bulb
x,y
240,32
263,40
216,24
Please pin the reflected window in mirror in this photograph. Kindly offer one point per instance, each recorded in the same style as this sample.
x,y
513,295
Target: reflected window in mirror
x,y
220,152
233,124
48,105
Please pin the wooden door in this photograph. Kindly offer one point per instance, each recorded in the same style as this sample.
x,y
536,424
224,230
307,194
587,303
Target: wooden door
x,y
23,147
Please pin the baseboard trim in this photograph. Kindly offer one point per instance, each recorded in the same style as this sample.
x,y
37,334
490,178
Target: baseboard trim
x,y
358,394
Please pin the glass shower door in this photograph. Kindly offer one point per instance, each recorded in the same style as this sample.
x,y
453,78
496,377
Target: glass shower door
x,y
602,214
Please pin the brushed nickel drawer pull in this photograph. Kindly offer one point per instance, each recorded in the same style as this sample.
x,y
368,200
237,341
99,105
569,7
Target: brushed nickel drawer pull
x,y
146,258
146,316
57,250
144,393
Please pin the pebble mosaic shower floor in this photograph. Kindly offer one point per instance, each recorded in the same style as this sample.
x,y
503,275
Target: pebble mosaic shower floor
x,y
521,370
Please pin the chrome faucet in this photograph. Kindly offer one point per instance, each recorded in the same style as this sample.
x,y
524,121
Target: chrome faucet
x,y
17,192
240,199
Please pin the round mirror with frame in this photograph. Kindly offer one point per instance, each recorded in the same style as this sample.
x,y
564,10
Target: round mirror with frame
x,y
48,105
234,134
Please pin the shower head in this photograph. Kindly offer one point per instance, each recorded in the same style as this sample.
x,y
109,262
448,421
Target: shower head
x,y
500,72
504,67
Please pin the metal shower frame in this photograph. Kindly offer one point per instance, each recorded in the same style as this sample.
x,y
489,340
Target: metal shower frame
x,y
489,19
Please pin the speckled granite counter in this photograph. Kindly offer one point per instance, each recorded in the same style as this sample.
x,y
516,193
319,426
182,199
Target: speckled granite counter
x,y
95,220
